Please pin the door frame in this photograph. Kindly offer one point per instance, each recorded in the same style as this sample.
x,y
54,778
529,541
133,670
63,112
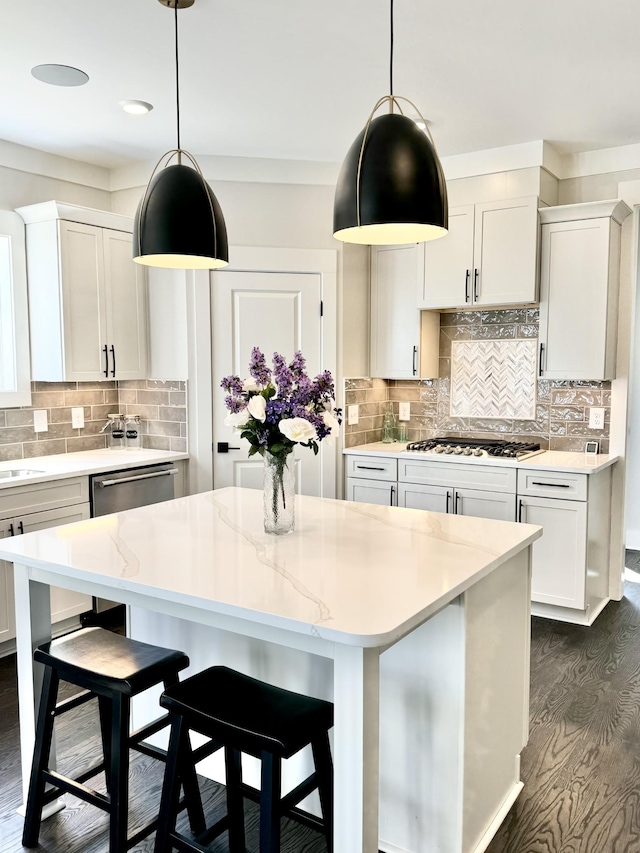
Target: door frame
x,y
321,262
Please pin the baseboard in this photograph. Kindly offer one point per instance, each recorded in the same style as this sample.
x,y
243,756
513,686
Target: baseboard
x,y
567,614
632,540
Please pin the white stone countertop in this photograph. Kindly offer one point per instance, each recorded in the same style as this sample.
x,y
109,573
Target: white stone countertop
x,y
62,465
550,460
353,573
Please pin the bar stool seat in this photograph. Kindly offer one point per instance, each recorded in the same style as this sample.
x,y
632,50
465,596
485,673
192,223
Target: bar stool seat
x,y
113,669
242,714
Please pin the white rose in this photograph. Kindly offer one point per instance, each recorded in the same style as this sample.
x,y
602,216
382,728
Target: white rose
x,y
331,423
237,419
250,384
297,429
258,407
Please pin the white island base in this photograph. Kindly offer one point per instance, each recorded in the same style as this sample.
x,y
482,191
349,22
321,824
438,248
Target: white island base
x,y
453,710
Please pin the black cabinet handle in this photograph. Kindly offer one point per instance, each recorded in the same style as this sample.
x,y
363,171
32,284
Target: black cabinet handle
x,y
467,279
415,358
448,500
552,485
457,503
540,360
20,527
520,508
11,530
360,467
223,447
113,356
106,360
393,489
476,273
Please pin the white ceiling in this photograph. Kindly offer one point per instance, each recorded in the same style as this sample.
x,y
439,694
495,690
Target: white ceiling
x,y
295,79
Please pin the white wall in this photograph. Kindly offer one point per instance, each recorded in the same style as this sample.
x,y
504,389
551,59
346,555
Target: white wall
x,y
18,188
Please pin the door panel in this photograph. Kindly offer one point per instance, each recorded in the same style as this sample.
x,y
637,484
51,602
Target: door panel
x,y
371,492
485,504
7,610
446,263
277,312
432,498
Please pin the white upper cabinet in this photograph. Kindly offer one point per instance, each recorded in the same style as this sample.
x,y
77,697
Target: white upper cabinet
x,y
489,257
579,278
87,298
15,388
404,344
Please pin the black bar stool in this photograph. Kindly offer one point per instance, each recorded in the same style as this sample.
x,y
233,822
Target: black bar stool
x,y
113,669
242,714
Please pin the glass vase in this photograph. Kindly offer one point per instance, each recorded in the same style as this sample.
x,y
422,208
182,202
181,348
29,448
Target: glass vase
x,y
279,492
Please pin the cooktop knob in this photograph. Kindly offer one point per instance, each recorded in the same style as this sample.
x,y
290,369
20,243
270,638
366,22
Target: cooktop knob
x,y
467,451
439,448
457,450
477,451
448,449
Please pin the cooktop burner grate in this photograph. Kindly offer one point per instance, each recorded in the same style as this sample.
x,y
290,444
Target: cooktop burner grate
x,y
477,447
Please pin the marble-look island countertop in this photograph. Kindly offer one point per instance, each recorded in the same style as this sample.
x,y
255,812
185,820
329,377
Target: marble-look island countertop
x,y
61,465
354,573
549,460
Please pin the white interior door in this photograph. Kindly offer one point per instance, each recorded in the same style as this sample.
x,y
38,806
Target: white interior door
x,y
277,312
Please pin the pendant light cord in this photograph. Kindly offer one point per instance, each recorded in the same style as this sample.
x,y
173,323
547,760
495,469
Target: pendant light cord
x,y
391,55
175,10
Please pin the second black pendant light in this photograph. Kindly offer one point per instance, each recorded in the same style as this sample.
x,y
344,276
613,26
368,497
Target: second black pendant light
x,y
391,188
179,223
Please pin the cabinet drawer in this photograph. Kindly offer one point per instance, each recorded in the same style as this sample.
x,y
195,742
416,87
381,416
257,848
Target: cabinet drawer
x,y
552,484
17,500
462,475
372,468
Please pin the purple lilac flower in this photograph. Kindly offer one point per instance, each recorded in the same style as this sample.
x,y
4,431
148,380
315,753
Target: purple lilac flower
x,y
258,367
298,366
235,404
304,393
323,385
282,375
233,384
276,410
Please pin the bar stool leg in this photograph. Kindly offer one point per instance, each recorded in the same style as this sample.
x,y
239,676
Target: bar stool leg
x,y
104,708
235,802
324,775
44,735
169,800
119,774
270,803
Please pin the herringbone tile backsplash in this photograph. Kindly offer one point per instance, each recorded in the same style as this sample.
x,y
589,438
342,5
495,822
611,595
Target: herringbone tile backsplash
x,y
438,407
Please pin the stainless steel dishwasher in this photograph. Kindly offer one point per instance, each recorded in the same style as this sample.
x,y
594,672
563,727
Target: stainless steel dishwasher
x,y
120,490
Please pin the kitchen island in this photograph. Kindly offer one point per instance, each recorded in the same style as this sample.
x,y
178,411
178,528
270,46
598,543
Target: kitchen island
x,y
415,624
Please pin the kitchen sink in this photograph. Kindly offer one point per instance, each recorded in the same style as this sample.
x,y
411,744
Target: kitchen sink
x,y
19,472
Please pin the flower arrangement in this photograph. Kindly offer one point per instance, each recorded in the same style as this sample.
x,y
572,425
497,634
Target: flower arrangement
x,y
277,409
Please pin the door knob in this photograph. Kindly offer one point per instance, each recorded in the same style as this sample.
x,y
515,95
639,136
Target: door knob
x,y
223,447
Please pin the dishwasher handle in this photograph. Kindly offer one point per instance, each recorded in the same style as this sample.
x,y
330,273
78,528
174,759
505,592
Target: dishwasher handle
x,y
104,483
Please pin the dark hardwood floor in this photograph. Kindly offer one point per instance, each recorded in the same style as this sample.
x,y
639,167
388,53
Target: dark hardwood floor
x,y
581,768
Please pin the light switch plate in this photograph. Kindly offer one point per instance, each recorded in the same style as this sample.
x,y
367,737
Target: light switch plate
x,y
596,418
352,414
40,422
77,417
404,412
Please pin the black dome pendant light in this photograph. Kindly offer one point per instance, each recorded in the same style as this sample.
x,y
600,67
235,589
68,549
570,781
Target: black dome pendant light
x,y
179,223
391,187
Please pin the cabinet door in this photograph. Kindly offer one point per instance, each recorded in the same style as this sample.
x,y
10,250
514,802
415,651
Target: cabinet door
x,y
485,504
448,264
559,556
371,492
574,284
125,284
506,252
7,609
64,602
395,317
432,498
84,301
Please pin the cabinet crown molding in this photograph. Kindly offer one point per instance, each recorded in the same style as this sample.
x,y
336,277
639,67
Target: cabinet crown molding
x,y
615,208
48,210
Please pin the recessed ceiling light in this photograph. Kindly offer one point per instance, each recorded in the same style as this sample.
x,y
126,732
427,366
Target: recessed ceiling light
x,y
136,108
60,75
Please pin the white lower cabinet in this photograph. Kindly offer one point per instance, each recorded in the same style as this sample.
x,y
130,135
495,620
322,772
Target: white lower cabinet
x,y
64,603
474,502
371,492
417,496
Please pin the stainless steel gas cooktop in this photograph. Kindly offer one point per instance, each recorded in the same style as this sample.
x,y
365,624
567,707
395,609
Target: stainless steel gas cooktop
x,y
451,446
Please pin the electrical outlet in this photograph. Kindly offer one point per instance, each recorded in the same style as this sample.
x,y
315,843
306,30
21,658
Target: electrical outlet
x,y
596,418
404,412
40,422
353,414
77,417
